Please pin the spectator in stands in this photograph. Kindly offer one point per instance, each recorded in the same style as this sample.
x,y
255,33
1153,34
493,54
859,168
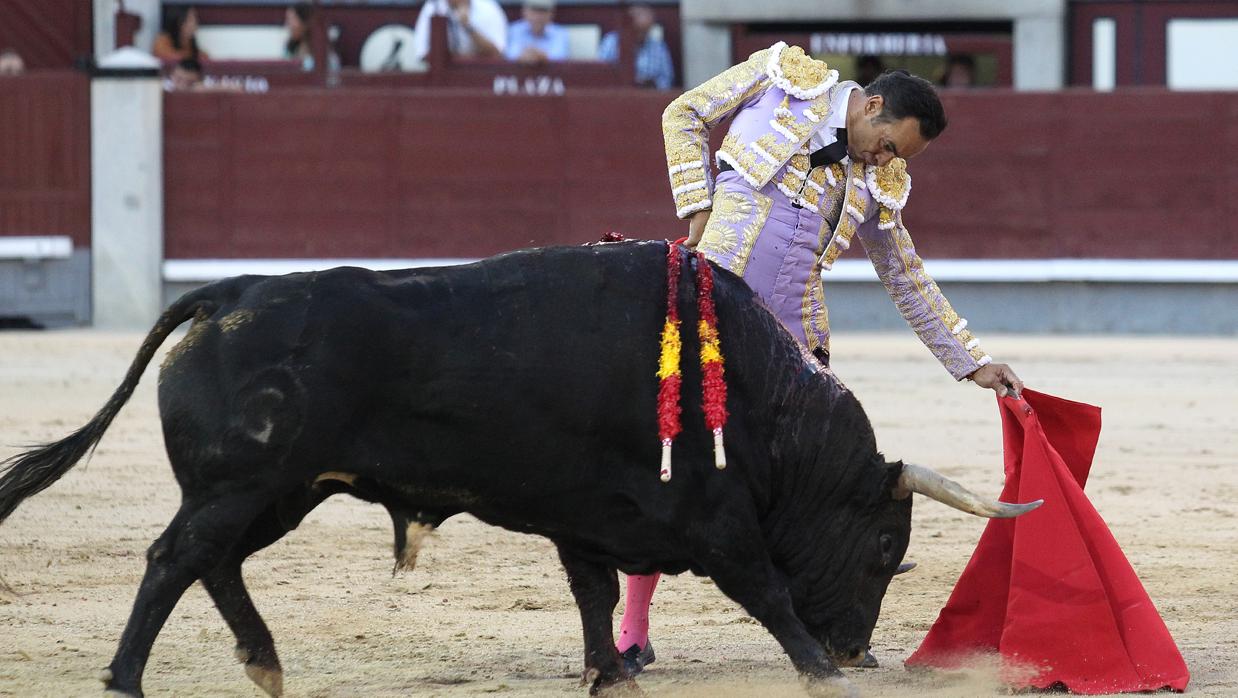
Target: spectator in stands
x,y
177,40
475,28
960,71
867,68
186,76
299,47
536,39
653,57
11,62
299,22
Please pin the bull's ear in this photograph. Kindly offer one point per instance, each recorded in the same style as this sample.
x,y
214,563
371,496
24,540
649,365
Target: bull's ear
x,y
894,476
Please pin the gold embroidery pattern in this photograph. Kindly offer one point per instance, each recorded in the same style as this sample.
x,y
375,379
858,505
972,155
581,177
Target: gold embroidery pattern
x,y
719,239
723,235
859,202
764,168
778,147
815,316
748,236
791,182
886,220
743,159
801,70
890,185
783,150
846,228
829,205
689,176
855,203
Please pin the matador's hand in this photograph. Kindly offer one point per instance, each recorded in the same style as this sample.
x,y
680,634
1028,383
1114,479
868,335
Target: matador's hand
x,y
999,377
696,228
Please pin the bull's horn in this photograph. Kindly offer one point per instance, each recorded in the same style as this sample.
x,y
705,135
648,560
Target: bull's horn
x,y
931,484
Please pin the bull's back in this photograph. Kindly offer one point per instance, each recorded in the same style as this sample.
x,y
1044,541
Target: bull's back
x,y
519,358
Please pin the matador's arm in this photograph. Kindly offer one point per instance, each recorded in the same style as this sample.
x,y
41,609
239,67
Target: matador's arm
x,y
917,296
686,123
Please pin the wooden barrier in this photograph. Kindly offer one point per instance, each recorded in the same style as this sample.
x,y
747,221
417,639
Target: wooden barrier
x,y
450,173
47,34
45,155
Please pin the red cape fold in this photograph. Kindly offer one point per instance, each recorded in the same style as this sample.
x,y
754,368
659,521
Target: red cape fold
x,y
1051,591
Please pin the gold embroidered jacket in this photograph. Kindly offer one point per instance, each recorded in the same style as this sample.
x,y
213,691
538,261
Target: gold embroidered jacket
x,y
780,97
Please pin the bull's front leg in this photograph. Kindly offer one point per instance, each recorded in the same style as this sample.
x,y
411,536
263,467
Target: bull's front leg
x,y
596,589
747,575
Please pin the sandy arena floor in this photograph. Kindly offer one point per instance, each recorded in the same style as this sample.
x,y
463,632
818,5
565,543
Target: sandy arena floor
x,y
489,612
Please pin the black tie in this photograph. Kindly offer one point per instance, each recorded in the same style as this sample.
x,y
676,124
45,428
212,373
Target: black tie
x,y
831,153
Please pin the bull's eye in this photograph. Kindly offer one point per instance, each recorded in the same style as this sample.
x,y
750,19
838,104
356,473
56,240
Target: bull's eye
x,y
887,549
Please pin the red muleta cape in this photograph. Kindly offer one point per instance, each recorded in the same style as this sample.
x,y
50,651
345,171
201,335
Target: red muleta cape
x,y
1051,591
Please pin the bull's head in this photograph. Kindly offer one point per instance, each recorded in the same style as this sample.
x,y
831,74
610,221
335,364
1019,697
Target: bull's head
x,y
844,603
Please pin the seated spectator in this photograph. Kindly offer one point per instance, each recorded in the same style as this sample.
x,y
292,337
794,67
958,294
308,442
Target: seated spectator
x,y
11,62
653,57
536,39
185,76
475,28
177,39
297,22
960,71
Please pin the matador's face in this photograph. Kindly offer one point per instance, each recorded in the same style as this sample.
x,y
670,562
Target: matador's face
x,y
874,140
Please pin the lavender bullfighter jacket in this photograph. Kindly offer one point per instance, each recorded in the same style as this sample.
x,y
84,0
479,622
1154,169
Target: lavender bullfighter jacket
x,y
780,97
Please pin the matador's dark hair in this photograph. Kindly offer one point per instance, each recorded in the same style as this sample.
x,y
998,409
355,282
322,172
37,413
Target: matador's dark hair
x,y
909,95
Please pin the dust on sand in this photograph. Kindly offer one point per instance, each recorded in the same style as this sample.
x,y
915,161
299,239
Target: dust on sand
x,y
488,611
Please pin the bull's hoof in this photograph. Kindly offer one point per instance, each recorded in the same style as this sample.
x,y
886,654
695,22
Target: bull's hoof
x,y
626,688
269,675
270,680
616,686
831,687
107,677
868,662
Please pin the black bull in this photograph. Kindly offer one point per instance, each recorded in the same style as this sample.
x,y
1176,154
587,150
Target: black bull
x,y
521,390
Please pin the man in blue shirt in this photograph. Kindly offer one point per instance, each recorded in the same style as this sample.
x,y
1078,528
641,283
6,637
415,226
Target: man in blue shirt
x,y
653,58
536,39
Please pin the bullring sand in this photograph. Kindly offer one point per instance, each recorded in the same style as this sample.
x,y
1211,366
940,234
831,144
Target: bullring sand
x,y
489,612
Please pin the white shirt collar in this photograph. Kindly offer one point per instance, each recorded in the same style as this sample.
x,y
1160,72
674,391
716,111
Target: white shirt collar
x,y
838,117
838,105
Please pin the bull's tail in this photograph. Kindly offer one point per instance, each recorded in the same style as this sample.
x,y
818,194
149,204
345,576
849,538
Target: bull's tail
x,y
29,473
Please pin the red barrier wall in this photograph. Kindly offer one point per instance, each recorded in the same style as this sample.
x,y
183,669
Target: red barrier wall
x,y
47,33
369,173
45,155
448,173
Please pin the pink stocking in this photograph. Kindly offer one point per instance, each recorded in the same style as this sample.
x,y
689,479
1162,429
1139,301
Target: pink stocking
x,y
634,629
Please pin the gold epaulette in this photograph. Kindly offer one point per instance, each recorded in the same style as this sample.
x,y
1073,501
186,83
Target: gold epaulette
x,y
798,74
890,184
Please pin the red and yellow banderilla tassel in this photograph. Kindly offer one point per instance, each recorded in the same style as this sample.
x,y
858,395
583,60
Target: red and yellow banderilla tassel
x,y
670,378
713,385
